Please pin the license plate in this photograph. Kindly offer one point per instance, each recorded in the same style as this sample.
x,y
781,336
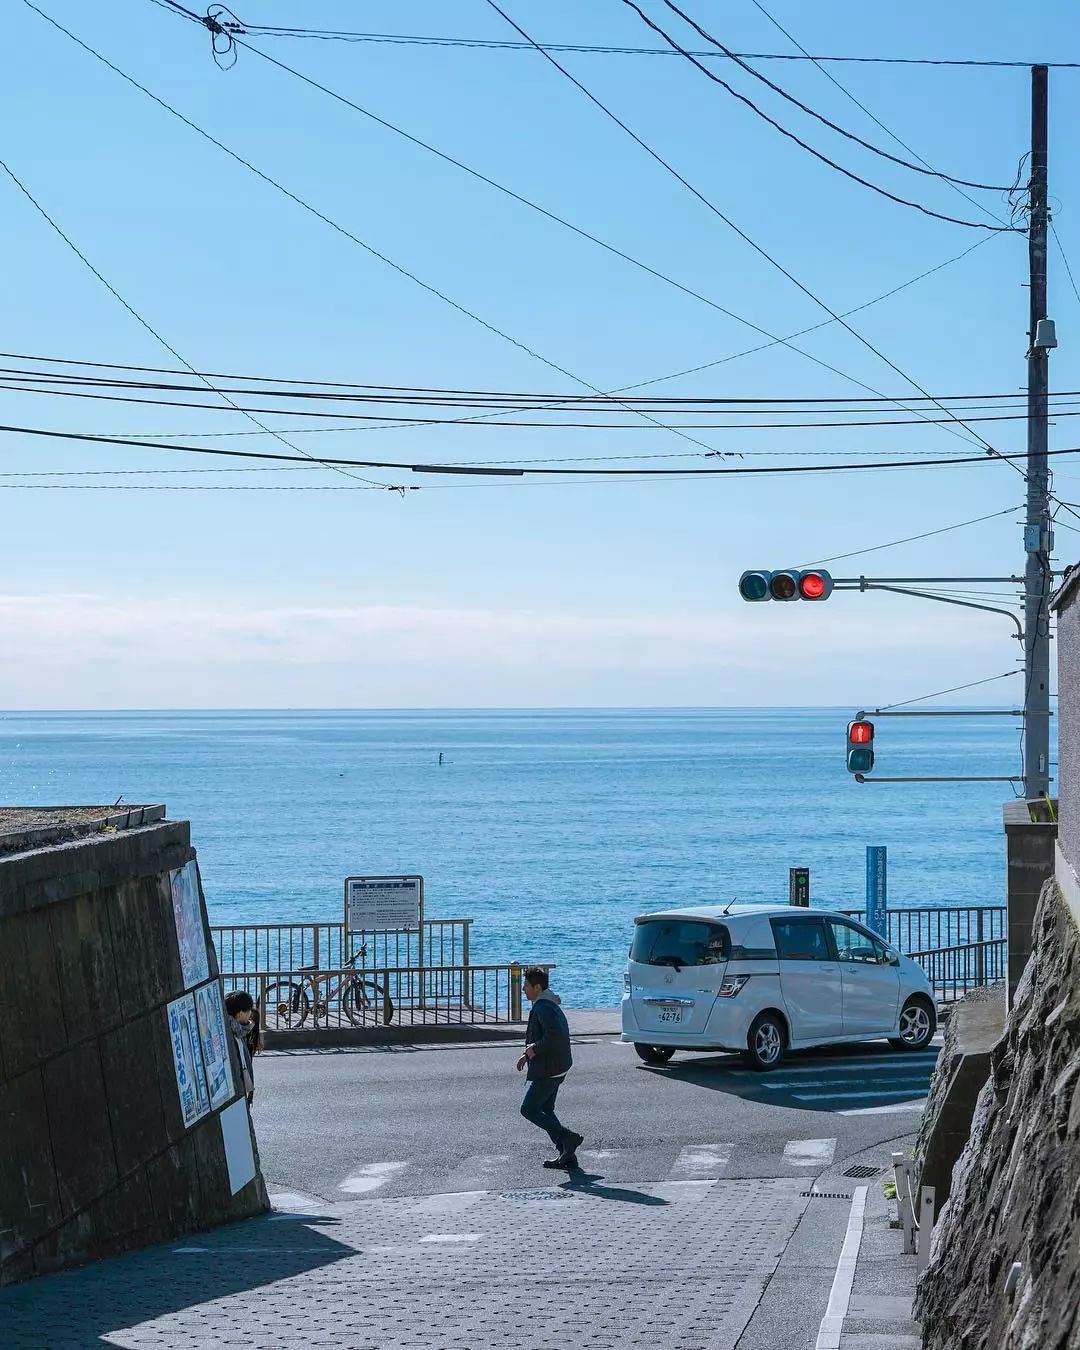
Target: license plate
x,y
669,1015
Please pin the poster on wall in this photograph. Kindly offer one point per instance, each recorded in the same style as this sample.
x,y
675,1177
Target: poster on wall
x,y
188,1059
190,934
215,1045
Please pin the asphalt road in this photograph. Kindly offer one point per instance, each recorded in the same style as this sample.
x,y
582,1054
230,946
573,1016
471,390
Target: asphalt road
x,y
338,1124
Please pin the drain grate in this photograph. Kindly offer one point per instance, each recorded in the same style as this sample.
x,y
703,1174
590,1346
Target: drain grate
x,y
863,1170
824,1195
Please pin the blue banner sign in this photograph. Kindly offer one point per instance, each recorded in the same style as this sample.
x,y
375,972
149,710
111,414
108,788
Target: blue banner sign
x,y
877,903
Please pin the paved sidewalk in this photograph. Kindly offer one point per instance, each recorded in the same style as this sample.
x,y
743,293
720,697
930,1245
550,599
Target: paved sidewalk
x,y
676,1265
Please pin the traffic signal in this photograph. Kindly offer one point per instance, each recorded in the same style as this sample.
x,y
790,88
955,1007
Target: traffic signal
x,y
790,584
860,747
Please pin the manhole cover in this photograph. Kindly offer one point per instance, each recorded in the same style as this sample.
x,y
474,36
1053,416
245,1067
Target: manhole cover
x,y
863,1170
824,1195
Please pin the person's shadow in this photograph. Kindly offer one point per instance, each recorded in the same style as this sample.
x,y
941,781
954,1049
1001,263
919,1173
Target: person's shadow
x,y
585,1183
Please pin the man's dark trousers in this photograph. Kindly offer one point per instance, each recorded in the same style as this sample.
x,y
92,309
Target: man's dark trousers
x,y
538,1106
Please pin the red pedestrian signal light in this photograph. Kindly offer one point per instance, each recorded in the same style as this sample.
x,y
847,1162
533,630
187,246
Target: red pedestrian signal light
x,y
789,584
860,747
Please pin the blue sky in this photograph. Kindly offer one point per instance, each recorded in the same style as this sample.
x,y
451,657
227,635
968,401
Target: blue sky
x,y
547,594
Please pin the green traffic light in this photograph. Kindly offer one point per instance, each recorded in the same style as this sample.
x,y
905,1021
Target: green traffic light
x,y
754,586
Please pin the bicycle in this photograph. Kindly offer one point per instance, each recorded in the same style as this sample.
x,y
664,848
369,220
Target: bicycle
x,y
360,997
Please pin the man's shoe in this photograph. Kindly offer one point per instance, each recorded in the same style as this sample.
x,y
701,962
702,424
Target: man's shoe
x,y
569,1149
558,1162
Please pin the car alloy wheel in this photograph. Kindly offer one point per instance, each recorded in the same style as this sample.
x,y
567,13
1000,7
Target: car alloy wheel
x,y
915,1026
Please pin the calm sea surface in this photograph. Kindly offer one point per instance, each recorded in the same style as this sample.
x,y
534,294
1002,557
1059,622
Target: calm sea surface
x,y
550,829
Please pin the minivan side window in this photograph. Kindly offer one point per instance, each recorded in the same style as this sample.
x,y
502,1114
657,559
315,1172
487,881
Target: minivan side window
x,y
679,942
801,940
854,945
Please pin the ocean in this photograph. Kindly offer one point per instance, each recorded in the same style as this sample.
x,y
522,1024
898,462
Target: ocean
x,y
551,829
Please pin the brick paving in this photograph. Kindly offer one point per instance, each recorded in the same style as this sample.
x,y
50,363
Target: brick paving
x,y
676,1265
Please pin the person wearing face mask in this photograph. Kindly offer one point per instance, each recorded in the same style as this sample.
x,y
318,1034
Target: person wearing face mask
x,y
244,1025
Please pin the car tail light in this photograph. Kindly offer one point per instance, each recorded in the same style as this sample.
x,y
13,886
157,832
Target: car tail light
x,y
731,986
626,982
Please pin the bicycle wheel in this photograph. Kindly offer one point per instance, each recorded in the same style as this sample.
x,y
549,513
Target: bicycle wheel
x,y
287,1005
362,1002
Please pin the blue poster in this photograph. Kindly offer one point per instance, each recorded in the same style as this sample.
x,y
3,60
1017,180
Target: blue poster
x,y
877,902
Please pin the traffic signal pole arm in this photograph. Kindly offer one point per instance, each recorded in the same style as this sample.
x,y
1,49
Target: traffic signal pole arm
x,y
864,585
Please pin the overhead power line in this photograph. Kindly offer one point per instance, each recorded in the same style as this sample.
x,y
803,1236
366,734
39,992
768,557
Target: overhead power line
x,y
940,693
147,325
341,229
790,98
620,253
495,44
451,468
872,116
758,248
913,538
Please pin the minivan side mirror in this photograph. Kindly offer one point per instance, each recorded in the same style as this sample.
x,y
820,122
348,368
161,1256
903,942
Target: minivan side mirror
x,y
892,958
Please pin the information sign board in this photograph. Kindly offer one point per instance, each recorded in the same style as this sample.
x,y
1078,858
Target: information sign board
x,y
215,1044
877,900
381,904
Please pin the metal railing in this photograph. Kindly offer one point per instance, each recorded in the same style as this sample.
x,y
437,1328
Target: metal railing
x,y
253,947
933,928
954,970
296,999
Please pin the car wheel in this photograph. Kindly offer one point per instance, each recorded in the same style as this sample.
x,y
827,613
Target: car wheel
x,y
654,1054
918,1022
765,1042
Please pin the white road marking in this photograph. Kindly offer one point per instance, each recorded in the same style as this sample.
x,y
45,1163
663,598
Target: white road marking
x,y
452,1237
810,1152
907,1080
598,1154
294,1202
701,1161
896,1107
371,1177
847,1096
479,1172
832,1324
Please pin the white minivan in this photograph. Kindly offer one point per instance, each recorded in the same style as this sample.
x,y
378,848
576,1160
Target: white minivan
x,y
763,979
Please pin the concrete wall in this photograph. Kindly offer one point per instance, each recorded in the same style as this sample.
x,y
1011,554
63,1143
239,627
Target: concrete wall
x,y
95,1155
1067,605
1029,861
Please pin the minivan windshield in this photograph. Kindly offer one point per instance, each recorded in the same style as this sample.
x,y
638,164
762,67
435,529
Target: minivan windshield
x,y
679,942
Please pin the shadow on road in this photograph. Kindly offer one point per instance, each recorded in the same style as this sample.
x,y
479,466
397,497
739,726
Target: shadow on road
x,y
586,1183
839,1078
87,1307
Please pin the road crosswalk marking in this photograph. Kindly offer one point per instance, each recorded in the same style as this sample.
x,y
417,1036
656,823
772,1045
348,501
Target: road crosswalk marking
x,y
810,1152
701,1161
371,1177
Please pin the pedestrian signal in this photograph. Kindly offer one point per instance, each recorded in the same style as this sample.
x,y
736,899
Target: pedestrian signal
x,y
860,747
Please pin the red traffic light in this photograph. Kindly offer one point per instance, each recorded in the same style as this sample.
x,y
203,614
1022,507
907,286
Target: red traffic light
x,y
815,585
860,733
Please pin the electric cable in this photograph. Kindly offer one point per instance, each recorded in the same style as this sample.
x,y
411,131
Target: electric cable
x,y
340,229
954,690
803,107
711,206
494,44
1064,259
864,109
805,145
911,538
446,467
146,324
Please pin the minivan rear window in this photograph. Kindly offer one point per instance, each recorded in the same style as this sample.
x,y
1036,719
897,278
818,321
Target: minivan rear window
x,y
679,942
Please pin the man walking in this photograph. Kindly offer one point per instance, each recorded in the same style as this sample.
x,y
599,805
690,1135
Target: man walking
x,y
547,1054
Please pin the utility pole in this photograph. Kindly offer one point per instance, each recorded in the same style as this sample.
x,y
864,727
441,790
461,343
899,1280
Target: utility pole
x,y
1038,541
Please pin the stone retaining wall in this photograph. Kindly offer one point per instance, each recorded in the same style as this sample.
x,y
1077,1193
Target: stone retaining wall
x,y
1016,1188
95,1156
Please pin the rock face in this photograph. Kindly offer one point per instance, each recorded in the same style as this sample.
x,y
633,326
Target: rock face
x,y
1016,1188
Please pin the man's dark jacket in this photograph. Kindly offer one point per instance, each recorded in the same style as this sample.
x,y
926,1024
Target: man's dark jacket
x,y
549,1037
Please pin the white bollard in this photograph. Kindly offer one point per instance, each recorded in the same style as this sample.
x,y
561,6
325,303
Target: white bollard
x,y
926,1228
904,1200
